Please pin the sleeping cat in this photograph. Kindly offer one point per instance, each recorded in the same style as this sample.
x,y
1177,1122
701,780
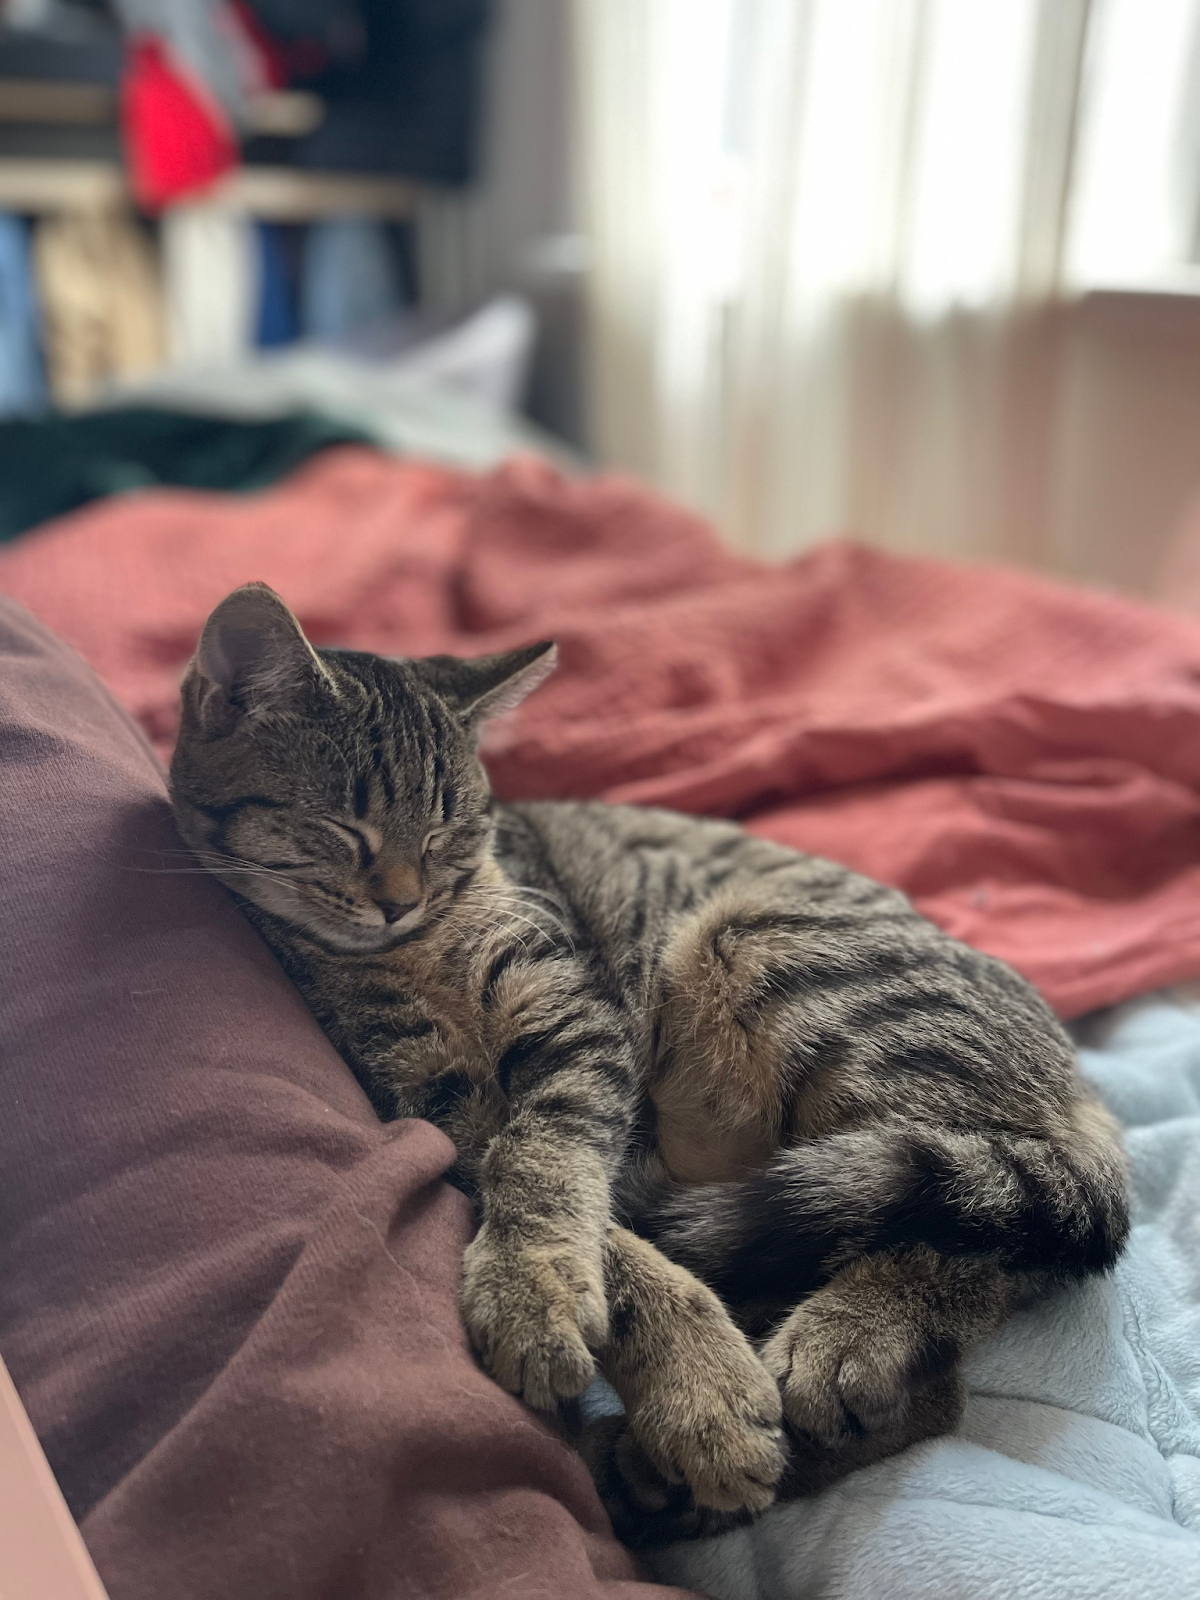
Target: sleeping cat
x,y
740,1126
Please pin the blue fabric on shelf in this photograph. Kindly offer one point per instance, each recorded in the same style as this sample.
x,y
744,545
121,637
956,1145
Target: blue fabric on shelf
x,y
276,306
1076,1469
349,281
22,377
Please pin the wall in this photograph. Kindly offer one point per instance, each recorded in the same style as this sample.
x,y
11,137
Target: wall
x,y
517,229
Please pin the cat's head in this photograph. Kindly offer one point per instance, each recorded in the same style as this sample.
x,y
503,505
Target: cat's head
x,y
339,791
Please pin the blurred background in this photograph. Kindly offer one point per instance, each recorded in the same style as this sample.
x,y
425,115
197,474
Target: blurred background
x,y
924,271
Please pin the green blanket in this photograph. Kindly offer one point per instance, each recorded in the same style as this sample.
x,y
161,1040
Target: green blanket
x,y
56,463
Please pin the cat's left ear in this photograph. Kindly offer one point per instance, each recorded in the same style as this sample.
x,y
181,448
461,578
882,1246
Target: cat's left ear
x,y
252,657
489,685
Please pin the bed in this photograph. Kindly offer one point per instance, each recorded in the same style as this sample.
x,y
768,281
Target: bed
x,y
1021,757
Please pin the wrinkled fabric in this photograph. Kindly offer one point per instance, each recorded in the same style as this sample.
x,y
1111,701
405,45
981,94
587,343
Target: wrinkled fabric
x,y
228,1293
1076,1468
1022,757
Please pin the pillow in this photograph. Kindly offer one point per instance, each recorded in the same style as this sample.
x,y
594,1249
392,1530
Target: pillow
x,y
227,1292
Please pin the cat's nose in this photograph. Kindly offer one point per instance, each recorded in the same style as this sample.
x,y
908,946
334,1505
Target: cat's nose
x,y
393,910
395,887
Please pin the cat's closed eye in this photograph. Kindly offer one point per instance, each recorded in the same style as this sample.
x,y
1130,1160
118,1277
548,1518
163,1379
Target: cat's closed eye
x,y
432,839
356,839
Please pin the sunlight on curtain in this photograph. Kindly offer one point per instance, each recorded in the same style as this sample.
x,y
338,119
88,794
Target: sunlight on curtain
x,y
1134,207
822,232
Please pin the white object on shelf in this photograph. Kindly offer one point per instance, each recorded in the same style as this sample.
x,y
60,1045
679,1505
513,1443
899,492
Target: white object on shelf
x,y
211,284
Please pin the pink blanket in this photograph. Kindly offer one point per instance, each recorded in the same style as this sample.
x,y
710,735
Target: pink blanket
x,y
1022,758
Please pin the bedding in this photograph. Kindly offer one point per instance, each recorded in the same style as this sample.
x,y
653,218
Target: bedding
x,y
1076,1469
1023,758
56,463
413,404
228,1294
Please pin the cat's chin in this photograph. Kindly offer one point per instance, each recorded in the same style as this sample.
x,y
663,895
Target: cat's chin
x,y
340,938
365,941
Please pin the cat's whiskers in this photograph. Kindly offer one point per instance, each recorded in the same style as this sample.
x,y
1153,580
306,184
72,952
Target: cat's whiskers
x,y
556,915
522,943
510,915
220,861
225,867
541,894
214,862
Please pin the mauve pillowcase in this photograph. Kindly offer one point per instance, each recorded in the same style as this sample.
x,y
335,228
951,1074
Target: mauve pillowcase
x,y
227,1293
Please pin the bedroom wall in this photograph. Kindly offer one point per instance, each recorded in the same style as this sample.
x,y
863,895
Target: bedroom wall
x,y
1072,444
1124,503
518,228
1064,437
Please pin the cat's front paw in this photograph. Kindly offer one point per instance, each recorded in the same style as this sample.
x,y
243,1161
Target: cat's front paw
x,y
646,1510
713,1422
534,1314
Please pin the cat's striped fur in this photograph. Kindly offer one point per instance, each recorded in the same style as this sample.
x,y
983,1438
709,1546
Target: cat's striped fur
x,y
674,1058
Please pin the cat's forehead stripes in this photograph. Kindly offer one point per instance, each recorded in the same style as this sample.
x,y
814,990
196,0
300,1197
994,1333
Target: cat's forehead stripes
x,y
399,721
391,727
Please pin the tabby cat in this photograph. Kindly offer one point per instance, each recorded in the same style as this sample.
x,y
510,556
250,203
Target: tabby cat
x,y
740,1126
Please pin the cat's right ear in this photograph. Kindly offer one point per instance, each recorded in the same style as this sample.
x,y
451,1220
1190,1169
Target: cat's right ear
x,y
252,657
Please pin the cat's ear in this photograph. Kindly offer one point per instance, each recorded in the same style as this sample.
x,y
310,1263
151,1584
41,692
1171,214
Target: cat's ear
x,y
252,655
489,685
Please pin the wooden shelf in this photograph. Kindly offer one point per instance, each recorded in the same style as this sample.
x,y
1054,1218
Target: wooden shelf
x,y
286,194
38,100
28,184
276,194
278,113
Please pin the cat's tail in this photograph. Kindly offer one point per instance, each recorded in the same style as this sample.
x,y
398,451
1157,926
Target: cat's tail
x,y
1056,1205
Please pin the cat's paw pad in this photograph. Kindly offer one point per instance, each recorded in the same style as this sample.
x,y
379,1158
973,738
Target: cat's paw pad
x,y
841,1380
714,1422
534,1315
646,1509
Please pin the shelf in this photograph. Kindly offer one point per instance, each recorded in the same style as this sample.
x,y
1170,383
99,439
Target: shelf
x,y
286,194
275,113
274,194
39,100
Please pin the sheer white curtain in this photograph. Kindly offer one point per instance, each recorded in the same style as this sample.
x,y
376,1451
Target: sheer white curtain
x,y
827,238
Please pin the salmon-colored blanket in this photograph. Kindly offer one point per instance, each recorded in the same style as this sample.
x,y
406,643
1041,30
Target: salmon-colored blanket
x,y
1021,757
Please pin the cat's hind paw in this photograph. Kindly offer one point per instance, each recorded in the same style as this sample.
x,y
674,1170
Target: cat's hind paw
x,y
844,1379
